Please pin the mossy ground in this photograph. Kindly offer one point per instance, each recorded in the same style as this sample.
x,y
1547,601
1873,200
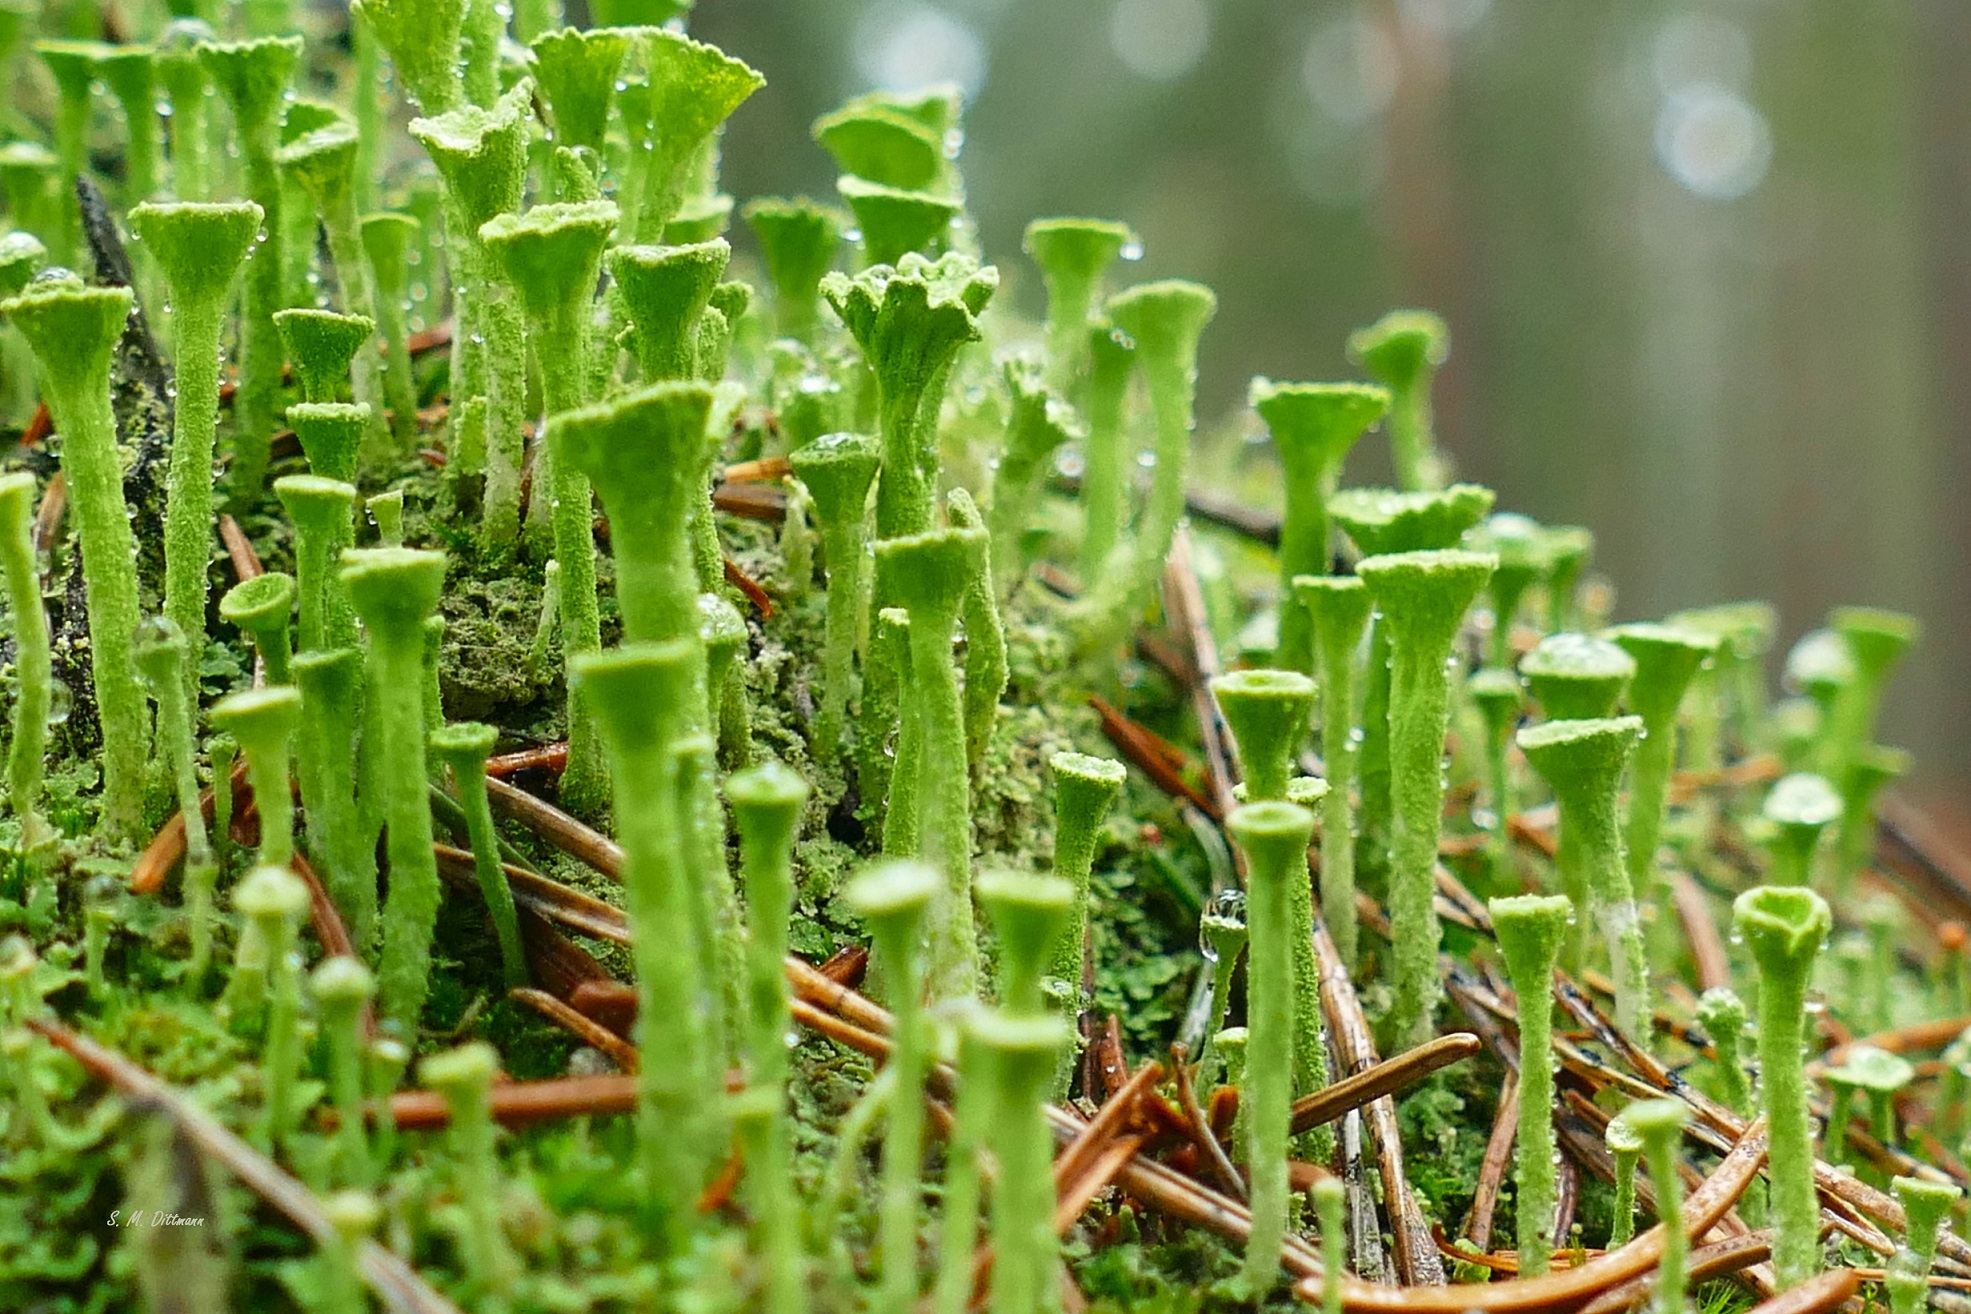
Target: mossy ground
x,y
570,1210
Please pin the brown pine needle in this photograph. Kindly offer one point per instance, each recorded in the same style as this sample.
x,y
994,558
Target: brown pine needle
x,y
393,1280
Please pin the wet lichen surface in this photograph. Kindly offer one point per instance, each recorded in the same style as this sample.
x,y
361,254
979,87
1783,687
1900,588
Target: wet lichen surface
x,y
805,571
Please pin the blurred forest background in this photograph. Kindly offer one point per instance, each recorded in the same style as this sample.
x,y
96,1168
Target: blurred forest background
x,y
1707,264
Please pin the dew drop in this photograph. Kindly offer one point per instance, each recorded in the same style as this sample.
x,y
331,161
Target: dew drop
x,y
153,631
60,703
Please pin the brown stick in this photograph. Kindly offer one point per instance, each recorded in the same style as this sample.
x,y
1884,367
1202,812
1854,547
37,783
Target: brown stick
x,y
1184,600
239,550
1108,1122
1571,1288
747,585
1707,951
1902,1040
1706,1264
1492,1170
1384,1078
765,470
48,516
1817,1295
1144,752
549,757
589,1032
557,902
558,828
761,502
1200,1130
1355,1053
518,1103
1073,1196
393,1280
167,848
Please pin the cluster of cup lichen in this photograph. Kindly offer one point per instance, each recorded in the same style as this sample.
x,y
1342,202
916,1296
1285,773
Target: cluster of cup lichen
x,y
556,191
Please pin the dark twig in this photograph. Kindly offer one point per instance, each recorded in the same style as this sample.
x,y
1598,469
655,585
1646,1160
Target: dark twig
x,y
1355,1053
747,585
552,758
589,1032
1200,1129
1492,1170
1817,1295
1145,752
557,828
518,1103
1707,950
393,1280
1381,1079
239,549
558,903
1184,601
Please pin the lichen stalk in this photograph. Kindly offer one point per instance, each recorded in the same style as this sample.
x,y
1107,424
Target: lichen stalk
x,y
893,899
986,669
27,744
1085,788
1403,351
464,1077
1165,319
1783,927
1531,929
263,722
72,331
253,76
160,654
1583,762
1498,697
323,512
929,574
959,1192
341,987
1422,597
1660,1124
393,590
259,608
1313,426
1925,1206
386,247
638,695
199,248
1267,712
1338,608
1625,1148
1105,474
1666,660
910,323
1274,837
1025,1253
463,748
275,900
837,471
551,257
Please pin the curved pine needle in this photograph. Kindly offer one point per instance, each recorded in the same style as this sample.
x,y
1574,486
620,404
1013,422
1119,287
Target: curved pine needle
x,y
393,1280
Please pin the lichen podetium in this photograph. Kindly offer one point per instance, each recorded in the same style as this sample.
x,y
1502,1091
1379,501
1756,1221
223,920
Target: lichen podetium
x,y
1783,927
73,330
1422,597
393,591
1274,837
1532,929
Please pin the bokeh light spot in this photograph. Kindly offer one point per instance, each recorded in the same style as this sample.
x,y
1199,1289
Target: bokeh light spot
x,y
1350,70
1713,142
906,47
1159,39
